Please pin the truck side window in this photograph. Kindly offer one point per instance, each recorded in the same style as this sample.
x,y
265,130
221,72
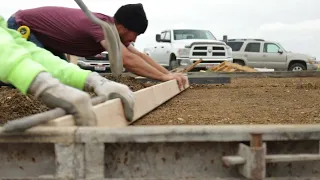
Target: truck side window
x,y
162,35
270,48
167,36
253,47
236,46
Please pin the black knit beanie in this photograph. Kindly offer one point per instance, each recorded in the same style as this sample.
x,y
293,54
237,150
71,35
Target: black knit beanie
x,y
132,17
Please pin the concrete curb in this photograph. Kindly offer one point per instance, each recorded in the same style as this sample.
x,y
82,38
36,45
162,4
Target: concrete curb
x,y
275,74
133,152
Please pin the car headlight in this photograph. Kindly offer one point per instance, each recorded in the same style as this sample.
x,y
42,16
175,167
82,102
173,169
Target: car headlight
x,y
81,58
184,52
82,63
312,60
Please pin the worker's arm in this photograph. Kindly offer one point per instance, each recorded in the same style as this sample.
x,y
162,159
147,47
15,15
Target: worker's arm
x,y
138,66
178,76
148,59
16,66
29,77
68,73
71,75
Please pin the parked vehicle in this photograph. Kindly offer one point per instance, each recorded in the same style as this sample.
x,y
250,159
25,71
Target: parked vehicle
x,y
182,47
98,63
259,53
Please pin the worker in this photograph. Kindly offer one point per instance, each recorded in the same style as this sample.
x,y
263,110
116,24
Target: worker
x,y
68,30
55,82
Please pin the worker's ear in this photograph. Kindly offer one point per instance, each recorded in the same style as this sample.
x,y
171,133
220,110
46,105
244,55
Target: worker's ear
x,y
122,29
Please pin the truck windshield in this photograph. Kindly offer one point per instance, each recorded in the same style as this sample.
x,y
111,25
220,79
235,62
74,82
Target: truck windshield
x,y
281,47
192,34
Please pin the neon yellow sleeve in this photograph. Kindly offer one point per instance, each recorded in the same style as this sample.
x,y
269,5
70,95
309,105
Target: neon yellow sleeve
x,y
16,65
68,73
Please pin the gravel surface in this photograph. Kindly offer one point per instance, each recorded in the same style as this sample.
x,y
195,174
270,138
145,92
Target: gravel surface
x,y
244,101
14,104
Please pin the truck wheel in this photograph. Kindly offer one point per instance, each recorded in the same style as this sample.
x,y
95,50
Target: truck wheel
x,y
240,62
297,67
173,63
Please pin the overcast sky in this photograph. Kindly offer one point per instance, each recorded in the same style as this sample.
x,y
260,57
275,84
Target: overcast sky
x,y
293,23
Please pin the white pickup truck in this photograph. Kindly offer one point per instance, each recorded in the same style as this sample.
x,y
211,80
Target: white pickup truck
x,y
182,47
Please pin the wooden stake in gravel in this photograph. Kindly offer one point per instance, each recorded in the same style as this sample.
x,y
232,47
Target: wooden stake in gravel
x,y
192,66
185,70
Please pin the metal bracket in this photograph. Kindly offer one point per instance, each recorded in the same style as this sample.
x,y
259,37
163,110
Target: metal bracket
x,y
251,160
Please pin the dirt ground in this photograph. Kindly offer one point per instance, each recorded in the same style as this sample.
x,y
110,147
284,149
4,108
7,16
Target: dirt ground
x,y
14,104
131,82
244,101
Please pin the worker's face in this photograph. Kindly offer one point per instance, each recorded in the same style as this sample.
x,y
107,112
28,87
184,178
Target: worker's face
x,y
126,36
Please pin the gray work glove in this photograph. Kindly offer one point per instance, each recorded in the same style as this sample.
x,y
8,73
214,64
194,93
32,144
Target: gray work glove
x,y
112,90
55,94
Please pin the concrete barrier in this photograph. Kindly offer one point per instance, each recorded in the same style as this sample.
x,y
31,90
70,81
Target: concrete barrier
x,y
151,152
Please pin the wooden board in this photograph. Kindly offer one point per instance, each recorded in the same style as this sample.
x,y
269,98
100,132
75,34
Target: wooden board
x,y
111,114
231,67
187,69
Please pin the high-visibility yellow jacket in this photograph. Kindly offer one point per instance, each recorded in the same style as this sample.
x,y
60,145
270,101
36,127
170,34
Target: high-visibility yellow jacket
x,y
21,61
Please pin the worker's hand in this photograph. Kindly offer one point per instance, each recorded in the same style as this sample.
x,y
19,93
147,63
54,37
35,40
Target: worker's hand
x,y
102,86
55,94
181,79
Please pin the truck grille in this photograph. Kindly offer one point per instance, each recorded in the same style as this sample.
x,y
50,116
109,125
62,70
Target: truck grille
x,y
203,50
